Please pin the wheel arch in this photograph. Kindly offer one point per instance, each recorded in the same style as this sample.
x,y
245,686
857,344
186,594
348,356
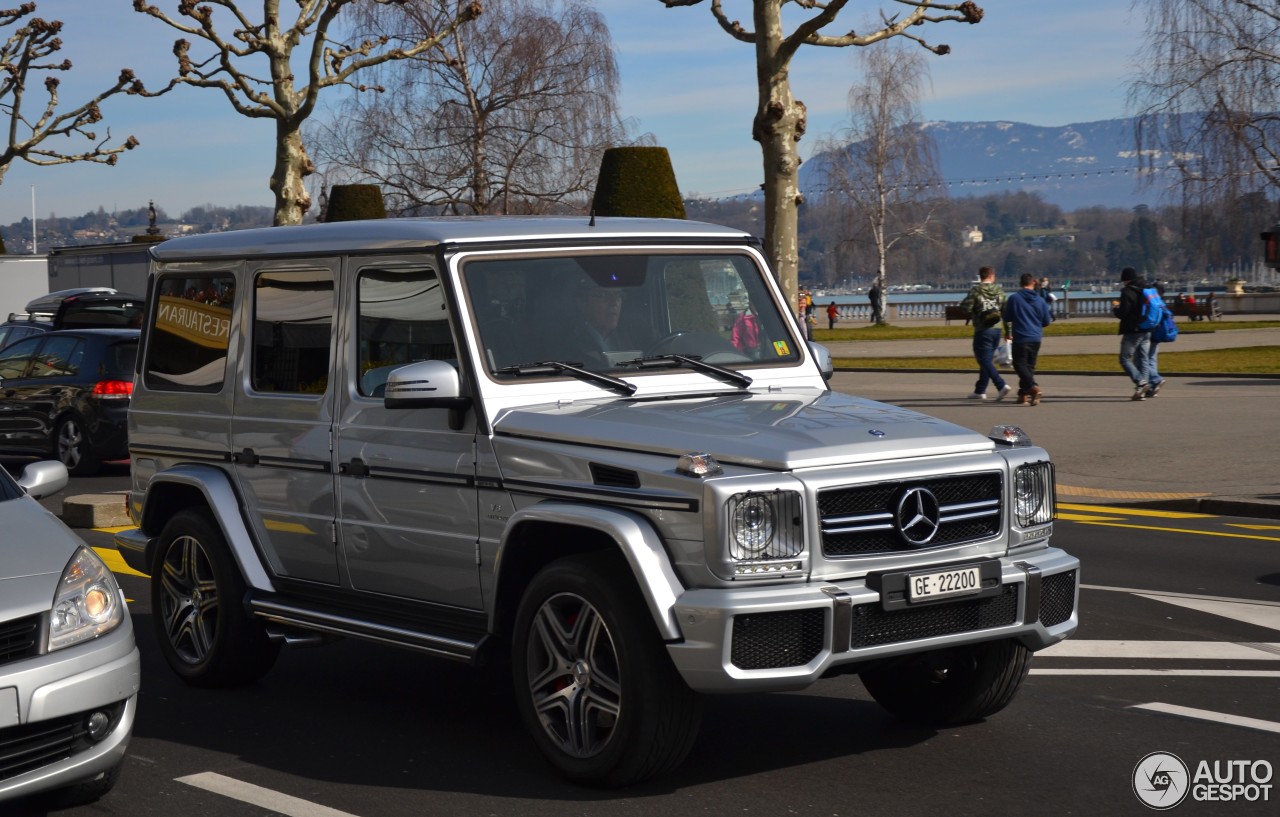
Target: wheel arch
x,y
574,529
187,486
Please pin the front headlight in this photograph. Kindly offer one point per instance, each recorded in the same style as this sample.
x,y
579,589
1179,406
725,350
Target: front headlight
x,y
87,603
766,532
1033,498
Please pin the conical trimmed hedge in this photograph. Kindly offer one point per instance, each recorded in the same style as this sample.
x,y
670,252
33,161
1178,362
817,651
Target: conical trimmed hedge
x,y
639,182
355,202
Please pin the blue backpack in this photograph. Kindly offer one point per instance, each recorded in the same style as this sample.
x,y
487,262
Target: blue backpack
x,y
1153,309
1166,331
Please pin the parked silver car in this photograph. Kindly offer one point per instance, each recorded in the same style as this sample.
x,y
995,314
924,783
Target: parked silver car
x,y
69,668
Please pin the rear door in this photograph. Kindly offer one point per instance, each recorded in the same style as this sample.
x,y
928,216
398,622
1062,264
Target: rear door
x,y
283,420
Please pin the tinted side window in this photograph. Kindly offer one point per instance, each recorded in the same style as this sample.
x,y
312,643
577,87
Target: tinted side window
x,y
402,319
59,357
187,346
292,326
15,359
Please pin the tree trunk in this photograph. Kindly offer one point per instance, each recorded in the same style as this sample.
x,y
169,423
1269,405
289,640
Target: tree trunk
x,y
293,165
779,123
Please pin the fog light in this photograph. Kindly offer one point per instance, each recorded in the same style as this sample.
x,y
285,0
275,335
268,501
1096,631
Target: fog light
x,y
99,724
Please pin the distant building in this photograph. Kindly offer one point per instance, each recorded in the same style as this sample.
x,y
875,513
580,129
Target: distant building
x,y
970,236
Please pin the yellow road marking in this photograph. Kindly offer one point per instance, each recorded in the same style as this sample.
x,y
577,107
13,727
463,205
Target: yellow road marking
x,y
1253,527
116,562
1182,530
117,529
1135,511
1106,493
1080,517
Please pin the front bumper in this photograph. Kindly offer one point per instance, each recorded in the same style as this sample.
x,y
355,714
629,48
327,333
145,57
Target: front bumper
x,y
785,637
44,703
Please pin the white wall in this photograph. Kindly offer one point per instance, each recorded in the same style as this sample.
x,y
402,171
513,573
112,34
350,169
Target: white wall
x,y
23,278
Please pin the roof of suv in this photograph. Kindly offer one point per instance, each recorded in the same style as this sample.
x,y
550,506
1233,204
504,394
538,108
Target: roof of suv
x,y
416,233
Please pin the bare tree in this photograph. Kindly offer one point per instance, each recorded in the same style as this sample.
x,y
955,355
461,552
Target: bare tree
x,y
511,115
1208,97
882,174
780,118
276,94
26,54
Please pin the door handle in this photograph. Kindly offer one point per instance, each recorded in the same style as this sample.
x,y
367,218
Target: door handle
x,y
246,457
356,468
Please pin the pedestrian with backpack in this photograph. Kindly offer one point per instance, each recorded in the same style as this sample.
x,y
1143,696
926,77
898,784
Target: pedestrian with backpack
x,y
985,303
1134,311
1027,314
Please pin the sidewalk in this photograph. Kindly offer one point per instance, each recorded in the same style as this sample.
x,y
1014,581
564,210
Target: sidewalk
x,y
1207,443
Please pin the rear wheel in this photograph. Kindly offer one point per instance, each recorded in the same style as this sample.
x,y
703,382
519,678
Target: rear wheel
x,y
594,684
71,446
951,686
197,603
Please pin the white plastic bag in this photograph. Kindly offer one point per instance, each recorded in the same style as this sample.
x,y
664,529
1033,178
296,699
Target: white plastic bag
x,y
1004,353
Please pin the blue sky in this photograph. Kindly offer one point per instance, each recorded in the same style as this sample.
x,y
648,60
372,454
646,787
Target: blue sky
x,y
1042,62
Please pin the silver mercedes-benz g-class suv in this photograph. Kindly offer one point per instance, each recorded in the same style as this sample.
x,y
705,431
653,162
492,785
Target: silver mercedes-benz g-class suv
x,y
598,449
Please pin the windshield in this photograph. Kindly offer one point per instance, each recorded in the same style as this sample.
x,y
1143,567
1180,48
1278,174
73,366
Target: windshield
x,y
604,313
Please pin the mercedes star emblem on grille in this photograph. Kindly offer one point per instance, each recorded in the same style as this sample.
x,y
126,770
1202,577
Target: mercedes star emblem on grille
x,y
918,515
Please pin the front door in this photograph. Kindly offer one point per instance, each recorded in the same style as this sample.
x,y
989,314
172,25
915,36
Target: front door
x,y
406,479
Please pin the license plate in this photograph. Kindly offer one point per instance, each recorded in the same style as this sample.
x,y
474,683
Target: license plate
x,y
960,581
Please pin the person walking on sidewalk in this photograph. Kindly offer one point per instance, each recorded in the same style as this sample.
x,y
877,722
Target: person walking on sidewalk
x,y
1135,343
1027,314
876,297
985,303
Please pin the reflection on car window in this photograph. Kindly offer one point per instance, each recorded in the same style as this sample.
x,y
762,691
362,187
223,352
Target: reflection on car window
x,y
58,357
602,312
402,319
292,327
187,349
15,359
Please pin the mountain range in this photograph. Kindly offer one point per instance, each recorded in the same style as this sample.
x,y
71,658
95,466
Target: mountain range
x,y
1073,166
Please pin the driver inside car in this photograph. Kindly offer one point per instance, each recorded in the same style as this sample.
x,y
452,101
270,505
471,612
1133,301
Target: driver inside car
x,y
598,310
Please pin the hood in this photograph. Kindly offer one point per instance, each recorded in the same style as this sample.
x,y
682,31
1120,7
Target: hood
x,y
34,542
777,430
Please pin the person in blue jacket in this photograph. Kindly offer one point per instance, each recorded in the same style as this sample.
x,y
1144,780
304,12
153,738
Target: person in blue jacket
x,y
1027,314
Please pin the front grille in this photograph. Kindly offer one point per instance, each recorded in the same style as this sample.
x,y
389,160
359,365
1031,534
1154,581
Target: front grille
x,y
32,746
791,638
1057,598
862,520
874,626
19,638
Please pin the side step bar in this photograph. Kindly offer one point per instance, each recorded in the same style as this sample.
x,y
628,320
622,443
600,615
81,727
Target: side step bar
x,y
276,612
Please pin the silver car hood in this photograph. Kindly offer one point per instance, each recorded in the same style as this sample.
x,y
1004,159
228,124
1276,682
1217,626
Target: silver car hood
x,y
774,430
34,541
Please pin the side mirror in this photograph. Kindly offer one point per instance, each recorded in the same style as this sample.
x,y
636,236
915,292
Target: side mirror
x,y
44,478
427,384
822,356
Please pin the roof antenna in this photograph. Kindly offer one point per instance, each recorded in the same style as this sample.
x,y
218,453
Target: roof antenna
x,y
592,223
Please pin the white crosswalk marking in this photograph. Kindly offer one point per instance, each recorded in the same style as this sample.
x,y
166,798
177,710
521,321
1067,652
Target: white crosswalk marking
x,y
258,796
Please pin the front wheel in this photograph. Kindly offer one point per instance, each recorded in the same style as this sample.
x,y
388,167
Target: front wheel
x,y
594,684
197,604
951,686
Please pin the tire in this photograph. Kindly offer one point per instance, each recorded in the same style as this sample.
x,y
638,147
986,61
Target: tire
x,y
593,682
197,604
71,447
952,686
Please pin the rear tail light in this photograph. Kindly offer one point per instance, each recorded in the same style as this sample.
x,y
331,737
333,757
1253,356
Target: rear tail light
x,y
113,388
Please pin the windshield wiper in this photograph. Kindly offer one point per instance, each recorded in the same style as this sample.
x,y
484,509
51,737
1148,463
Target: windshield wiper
x,y
573,368
694,362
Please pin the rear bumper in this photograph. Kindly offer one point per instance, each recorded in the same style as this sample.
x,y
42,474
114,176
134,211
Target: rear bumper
x,y
787,637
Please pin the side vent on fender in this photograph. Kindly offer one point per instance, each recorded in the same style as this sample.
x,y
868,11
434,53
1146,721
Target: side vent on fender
x,y
609,476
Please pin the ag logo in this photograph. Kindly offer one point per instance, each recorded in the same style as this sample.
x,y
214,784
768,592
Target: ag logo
x,y
1161,780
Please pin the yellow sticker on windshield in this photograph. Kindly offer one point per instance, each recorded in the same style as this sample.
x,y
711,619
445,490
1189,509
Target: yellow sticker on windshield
x,y
780,348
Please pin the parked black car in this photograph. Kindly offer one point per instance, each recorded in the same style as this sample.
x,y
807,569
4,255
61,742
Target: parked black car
x,y
86,308
66,393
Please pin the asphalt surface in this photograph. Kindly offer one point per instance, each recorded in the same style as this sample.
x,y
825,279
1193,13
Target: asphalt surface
x,y
1208,443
